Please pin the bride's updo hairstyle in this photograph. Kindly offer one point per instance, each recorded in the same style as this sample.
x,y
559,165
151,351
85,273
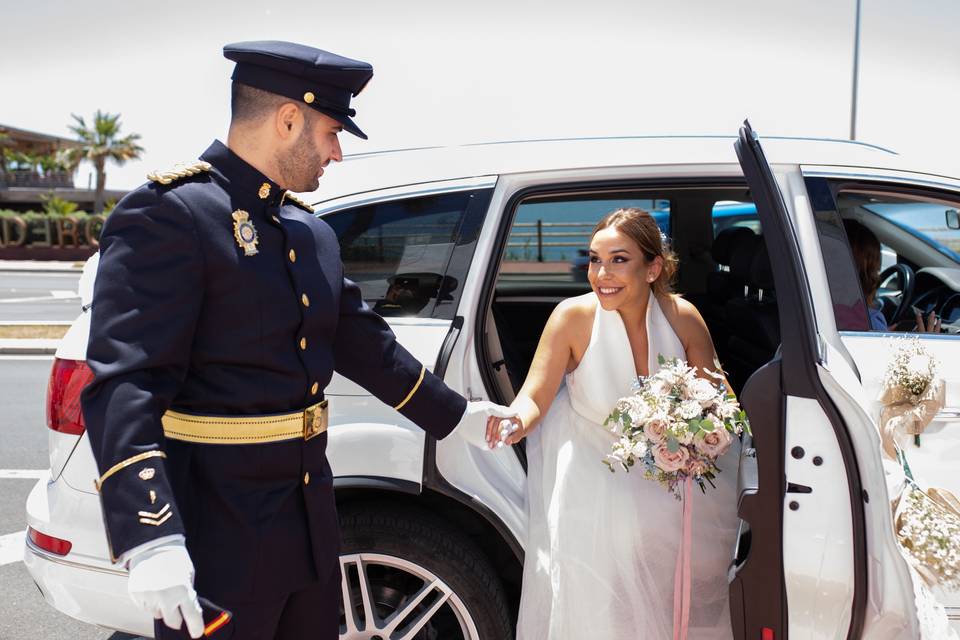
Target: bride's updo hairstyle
x,y
639,226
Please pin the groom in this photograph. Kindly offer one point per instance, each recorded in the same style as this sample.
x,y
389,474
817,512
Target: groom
x,y
220,315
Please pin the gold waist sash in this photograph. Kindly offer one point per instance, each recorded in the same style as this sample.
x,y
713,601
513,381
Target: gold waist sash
x,y
305,424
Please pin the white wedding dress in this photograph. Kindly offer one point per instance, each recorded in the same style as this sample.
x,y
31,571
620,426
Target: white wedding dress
x,y
601,547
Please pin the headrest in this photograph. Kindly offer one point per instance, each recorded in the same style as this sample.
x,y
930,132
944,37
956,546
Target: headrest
x,y
761,272
742,251
724,242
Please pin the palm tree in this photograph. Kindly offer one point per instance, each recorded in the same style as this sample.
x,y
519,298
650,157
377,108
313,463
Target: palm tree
x,y
99,143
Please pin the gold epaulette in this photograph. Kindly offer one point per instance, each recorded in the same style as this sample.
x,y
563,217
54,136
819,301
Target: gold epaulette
x,y
297,201
179,171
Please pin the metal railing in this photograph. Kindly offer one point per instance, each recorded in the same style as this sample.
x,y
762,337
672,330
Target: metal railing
x,y
545,238
32,179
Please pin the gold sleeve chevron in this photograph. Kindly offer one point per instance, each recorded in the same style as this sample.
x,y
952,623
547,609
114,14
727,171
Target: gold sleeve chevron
x,y
179,172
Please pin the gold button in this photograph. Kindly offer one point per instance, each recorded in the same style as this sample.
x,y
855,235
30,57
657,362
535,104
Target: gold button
x,y
305,300
303,344
314,388
306,478
292,255
308,97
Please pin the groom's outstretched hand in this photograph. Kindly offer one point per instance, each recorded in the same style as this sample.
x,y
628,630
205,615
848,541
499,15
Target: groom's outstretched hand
x,y
502,432
473,425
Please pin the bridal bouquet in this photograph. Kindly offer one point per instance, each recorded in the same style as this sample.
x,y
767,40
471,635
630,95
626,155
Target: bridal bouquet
x,y
675,425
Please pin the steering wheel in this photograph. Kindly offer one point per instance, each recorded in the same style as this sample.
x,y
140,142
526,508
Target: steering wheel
x,y
908,280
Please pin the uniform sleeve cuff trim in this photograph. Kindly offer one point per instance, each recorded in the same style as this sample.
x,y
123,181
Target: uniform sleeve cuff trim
x,y
423,370
129,461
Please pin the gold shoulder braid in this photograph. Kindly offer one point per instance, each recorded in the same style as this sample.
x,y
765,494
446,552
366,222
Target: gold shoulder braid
x,y
297,201
178,172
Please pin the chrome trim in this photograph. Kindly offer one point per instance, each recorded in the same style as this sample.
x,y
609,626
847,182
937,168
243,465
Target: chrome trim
x,y
45,555
880,177
948,413
397,193
892,334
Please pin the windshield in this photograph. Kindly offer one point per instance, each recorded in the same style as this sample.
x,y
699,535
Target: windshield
x,y
924,220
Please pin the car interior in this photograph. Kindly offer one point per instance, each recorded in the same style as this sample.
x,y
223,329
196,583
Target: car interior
x,y
724,270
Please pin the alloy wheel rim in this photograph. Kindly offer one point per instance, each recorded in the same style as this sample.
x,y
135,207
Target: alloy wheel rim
x,y
389,598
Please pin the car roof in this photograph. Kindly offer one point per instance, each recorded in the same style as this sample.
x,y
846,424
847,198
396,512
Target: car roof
x,y
364,172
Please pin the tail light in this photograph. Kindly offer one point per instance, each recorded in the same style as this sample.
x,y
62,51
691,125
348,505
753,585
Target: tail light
x,y
67,379
49,543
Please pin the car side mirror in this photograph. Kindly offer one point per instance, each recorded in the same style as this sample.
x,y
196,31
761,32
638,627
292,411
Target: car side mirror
x,y
953,219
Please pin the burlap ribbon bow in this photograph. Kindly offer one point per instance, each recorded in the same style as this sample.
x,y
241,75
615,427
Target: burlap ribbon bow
x,y
907,413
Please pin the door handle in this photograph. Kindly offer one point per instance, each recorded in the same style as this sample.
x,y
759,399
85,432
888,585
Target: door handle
x,y
798,488
948,413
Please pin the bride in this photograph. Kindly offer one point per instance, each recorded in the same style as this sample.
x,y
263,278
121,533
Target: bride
x,y
601,548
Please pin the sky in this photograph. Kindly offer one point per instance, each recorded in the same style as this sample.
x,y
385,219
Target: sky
x,y
447,72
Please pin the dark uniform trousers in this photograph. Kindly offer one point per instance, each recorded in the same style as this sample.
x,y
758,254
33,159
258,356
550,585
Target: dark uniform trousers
x,y
219,295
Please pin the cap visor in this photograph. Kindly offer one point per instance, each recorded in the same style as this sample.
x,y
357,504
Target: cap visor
x,y
348,124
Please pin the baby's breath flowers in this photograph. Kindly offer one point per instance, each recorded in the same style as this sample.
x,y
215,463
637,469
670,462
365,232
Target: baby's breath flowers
x,y
930,536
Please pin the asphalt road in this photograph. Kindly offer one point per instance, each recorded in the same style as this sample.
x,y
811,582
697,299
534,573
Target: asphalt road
x,y
38,296
24,614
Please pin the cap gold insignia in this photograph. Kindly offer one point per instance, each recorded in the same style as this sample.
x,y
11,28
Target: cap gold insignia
x,y
147,473
308,97
245,232
264,192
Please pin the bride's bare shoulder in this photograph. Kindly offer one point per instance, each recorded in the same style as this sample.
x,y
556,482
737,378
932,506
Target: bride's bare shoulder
x,y
574,315
683,316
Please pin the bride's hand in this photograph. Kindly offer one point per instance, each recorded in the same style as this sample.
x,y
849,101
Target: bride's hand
x,y
504,431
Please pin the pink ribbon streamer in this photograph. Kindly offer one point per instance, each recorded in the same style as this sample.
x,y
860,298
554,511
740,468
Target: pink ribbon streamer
x,y
681,576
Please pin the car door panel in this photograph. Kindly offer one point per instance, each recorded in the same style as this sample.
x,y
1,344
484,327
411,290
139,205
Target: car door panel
x,y
934,462
838,570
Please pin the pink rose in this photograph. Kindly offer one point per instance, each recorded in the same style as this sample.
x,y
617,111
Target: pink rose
x,y
670,461
655,430
715,443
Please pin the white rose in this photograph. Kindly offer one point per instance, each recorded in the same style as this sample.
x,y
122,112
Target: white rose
x,y
703,391
689,409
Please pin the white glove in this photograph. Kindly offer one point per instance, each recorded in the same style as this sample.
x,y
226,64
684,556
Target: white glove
x,y
161,583
473,425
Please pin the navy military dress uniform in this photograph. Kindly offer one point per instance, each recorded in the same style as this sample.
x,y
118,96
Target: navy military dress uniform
x,y
220,314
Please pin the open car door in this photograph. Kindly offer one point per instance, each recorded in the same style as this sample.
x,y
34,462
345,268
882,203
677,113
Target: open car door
x,y
816,556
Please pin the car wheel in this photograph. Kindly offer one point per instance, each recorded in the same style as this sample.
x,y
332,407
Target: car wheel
x,y
412,576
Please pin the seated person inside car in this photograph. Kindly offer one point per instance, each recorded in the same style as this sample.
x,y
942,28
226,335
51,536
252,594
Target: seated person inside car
x,y
866,255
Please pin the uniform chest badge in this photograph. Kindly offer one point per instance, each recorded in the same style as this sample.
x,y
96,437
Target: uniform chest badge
x,y
245,232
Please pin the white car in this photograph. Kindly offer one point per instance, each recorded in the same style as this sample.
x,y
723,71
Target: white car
x,y
467,250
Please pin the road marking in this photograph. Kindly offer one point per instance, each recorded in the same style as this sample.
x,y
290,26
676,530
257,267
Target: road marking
x,y
11,547
26,356
23,474
59,294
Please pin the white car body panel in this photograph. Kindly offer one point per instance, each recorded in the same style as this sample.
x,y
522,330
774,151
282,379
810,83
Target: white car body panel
x,y
367,438
818,571
934,462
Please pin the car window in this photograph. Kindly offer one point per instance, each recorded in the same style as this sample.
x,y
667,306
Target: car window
x,y
410,256
867,229
850,307
732,213
923,219
550,236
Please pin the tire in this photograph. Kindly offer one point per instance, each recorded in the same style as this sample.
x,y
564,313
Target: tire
x,y
402,551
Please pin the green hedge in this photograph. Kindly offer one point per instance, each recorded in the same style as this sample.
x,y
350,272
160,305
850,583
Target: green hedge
x,y
18,229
